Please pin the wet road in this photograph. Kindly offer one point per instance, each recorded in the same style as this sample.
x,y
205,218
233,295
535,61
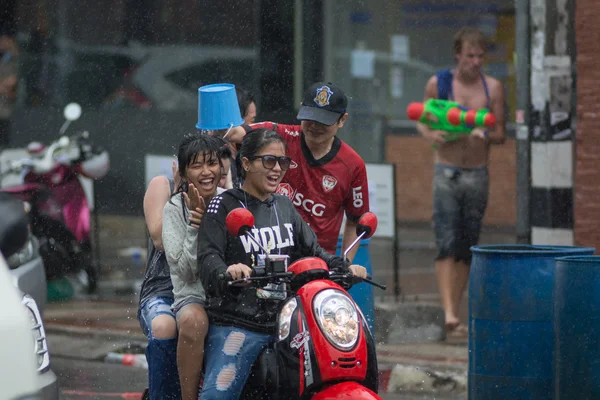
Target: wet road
x,y
79,380
87,380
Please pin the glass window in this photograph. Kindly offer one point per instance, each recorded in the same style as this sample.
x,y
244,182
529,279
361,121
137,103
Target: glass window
x,y
143,54
384,51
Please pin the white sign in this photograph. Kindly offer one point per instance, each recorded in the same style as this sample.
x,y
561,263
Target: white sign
x,y
363,64
396,82
158,165
381,199
400,48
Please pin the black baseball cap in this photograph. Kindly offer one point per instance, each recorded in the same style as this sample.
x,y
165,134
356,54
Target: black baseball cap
x,y
324,103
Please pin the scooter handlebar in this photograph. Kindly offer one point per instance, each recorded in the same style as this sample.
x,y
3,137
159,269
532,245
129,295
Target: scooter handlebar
x,y
226,277
347,279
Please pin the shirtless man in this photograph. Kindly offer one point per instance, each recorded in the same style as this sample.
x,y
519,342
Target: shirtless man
x,y
460,184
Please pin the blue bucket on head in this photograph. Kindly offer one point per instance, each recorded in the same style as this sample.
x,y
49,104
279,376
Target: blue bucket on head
x,y
511,320
218,107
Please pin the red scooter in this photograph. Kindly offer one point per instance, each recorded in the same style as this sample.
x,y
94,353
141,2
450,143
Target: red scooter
x,y
60,213
324,348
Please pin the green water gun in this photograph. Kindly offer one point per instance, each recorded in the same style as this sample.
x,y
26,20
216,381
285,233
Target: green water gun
x,y
449,116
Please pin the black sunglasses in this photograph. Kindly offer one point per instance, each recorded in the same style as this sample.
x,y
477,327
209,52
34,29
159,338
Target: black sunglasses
x,y
269,161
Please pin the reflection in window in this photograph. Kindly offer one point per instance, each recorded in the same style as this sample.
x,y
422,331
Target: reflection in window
x,y
140,54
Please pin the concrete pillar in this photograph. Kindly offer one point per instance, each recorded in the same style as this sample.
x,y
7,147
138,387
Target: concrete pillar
x,y
551,122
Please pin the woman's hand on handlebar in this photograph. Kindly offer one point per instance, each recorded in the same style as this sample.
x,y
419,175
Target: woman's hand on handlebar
x,y
358,271
239,271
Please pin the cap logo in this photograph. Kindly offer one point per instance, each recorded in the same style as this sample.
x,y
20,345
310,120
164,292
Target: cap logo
x,y
323,95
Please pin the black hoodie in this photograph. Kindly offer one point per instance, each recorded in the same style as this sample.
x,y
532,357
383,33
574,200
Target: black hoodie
x,y
274,218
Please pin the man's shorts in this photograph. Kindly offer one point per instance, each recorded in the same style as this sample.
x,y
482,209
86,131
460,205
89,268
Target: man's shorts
x,y
460,197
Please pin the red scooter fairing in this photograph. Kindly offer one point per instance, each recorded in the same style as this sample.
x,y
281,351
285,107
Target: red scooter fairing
x,y
346,391
323,348
308,360
334,363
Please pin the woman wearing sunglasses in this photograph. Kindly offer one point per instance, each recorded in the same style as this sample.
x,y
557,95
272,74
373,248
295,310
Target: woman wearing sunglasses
x,y
242,318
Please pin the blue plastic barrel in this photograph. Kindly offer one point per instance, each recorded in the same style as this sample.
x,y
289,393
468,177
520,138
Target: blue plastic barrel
x,y
362,293
511,320
577,328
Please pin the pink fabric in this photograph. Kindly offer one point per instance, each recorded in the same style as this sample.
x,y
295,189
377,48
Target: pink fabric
x,y
75,207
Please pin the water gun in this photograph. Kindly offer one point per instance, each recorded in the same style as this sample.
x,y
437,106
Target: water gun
x,y
449,116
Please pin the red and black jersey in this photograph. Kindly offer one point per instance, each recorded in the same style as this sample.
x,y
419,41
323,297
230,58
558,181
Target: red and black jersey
x,y
323,189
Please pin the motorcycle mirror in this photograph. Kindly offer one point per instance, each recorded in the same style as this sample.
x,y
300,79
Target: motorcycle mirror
x,y
63,141
239,222
72,112
367,224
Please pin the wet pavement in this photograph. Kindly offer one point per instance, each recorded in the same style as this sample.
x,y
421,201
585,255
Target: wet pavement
x,y
80,379
93,380
82,331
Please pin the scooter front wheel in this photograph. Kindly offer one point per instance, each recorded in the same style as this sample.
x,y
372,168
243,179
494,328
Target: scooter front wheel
x,y
346,390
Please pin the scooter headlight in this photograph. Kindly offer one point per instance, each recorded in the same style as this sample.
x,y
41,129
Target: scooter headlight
x,y
285,318
337,317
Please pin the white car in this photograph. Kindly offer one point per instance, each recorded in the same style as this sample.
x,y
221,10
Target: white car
x,y
27,272
25,363
25,371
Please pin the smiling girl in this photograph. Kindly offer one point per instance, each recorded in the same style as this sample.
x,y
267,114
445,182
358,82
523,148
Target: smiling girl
x,y
200,170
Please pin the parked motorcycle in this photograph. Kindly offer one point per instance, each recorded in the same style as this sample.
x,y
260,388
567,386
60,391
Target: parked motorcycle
x,y
324,348
60,215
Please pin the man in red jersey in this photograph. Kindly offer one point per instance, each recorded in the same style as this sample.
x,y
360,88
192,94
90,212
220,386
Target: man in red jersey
x,y
326,177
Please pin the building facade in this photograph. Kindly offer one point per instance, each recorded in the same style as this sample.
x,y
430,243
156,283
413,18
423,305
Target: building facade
x,y
587,144
135,66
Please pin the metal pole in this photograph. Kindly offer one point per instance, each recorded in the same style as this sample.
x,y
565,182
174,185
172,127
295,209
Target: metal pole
x,y
396,245
523,223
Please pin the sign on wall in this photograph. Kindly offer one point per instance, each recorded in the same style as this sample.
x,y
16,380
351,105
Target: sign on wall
x,y
158,165
381,199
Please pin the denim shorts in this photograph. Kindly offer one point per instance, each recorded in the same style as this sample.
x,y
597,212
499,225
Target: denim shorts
x,y
152,308
231,351
460,197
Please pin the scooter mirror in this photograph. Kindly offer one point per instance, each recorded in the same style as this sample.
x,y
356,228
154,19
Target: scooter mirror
x,y
72,112
63,141
367,224
239,222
